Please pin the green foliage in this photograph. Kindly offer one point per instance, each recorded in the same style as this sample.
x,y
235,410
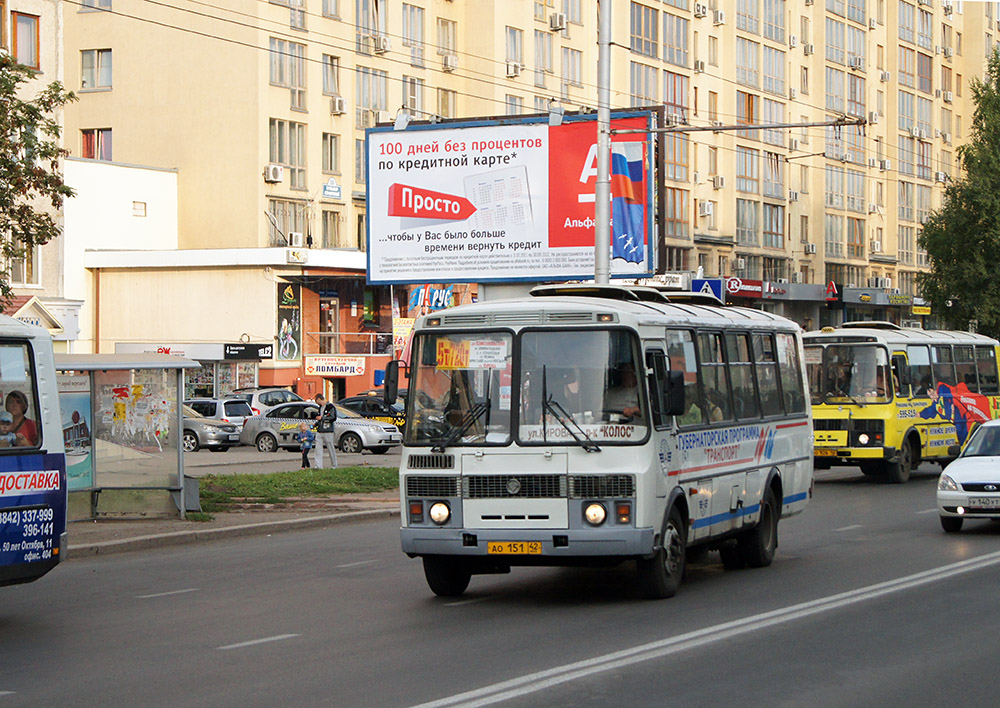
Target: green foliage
x,y
217,491
31,184
962,239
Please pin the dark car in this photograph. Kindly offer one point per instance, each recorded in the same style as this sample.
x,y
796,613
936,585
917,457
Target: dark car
x,y
374,407
279,428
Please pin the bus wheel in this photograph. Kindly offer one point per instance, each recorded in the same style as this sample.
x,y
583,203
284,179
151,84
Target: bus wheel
x,y
661,575
446,577
757,545
899,471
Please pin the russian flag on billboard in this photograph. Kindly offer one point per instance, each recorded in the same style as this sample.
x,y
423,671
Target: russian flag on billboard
x,y
628,227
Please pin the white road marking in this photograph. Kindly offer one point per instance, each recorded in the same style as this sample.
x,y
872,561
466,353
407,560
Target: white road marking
x,y
465,602
264,640
353,565
929,511
849,528
7,693
164,594
541,680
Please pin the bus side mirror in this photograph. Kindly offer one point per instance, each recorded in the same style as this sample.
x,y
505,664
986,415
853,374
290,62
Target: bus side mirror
x,y
954,450
673,393
391,390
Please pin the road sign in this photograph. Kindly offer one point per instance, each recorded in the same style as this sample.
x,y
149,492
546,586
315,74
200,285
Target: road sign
x,y
711,286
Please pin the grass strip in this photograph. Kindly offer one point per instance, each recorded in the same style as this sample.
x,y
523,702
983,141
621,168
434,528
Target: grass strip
x,y
219,491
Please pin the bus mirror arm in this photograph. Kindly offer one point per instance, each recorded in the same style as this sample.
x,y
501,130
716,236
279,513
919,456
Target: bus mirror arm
x,y
673,393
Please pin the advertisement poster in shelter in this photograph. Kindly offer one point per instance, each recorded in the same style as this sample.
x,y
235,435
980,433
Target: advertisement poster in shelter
x,y
75,402
506,201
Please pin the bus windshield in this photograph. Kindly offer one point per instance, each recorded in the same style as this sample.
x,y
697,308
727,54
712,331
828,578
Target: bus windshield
x,y
849,373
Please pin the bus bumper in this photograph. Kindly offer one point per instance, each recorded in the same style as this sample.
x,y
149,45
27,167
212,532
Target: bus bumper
x,y
826,457
557,544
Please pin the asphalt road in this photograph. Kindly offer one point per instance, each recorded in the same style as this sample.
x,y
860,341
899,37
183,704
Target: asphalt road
x,y
868,603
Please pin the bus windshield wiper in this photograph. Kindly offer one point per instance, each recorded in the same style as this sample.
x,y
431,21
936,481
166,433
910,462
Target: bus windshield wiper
x,y
553,406
843,394
470,417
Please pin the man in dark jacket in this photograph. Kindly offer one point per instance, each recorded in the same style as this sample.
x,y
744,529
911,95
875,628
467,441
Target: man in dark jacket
x,y
325,436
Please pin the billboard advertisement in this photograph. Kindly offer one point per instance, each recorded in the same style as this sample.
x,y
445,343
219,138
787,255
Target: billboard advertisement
x,y
496,202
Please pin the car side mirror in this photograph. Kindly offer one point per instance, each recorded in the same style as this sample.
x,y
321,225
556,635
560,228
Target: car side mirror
x,y
673,393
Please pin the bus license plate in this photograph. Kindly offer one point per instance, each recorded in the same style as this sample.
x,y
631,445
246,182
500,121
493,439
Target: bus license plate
x,y
984,502
825,453
530,548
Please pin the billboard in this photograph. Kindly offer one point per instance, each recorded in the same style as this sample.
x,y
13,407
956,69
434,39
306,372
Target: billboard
x,y
504,201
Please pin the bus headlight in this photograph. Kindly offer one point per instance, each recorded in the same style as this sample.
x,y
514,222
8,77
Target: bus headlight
x,y
863,438
439,513
595,514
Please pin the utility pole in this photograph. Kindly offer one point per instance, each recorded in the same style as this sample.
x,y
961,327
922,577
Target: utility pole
x,y
602,191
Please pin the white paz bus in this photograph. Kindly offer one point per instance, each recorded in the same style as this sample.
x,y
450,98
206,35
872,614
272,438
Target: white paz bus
x,y
591,425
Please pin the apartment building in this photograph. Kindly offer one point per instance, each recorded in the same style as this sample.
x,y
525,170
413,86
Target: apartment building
x,y
261,109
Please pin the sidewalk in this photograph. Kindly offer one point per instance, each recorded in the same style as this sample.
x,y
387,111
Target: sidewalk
x,y
104,536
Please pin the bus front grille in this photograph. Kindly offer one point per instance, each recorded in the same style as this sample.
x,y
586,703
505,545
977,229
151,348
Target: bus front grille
x,y
601,486
506,486
427,486
431,462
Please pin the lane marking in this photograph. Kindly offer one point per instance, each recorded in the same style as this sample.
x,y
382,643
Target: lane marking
x,y
849,528
165,594
253,642
541,680
929,511
7,693
354,565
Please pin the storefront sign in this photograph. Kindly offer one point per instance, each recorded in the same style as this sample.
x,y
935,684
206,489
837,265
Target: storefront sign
x,y
251,352
921,309
335,365
505,201
772,290
738,287
900,300
198,351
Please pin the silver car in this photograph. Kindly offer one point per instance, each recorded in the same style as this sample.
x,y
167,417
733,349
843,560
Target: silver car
x,y
231,410
199,431
279,428
262,400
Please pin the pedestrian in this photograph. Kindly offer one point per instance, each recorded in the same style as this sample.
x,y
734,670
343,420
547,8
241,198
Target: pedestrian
x,y
325,435
306,439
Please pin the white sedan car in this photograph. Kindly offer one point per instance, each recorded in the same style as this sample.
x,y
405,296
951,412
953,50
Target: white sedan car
x,y
969,488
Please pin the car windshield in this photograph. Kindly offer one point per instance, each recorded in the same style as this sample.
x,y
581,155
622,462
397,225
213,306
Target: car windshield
x,y
985,442
848,373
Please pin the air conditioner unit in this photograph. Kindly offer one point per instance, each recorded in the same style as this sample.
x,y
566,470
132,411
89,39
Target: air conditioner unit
x,y
914,131
337,105
793,40
884,76
872,162
793,196
923,2
856,62
295,239
946,137
949,52
273,173
940,177
449,62
887,283
808,48
948,96
876,246
809,2
792,93
699,65
380,43
874,282
782,281
937,93
674,119
884,165
704,208
718,182
810,249
366,118
557,21
947,8
700,9
872,207
937,48
719,17
924,218
381,117
513,69
847,157
796,277
739,263
872,24
793,144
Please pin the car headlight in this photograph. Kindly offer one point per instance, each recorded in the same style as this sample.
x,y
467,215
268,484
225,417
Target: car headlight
x,y
595,514
439,513
947,484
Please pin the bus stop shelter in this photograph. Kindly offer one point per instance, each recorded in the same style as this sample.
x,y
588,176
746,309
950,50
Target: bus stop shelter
x,y
123,422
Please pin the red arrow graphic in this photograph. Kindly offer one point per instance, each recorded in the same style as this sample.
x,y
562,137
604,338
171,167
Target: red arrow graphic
x,y
414,201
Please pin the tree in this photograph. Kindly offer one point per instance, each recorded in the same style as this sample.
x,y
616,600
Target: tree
x,y
962,239
30,177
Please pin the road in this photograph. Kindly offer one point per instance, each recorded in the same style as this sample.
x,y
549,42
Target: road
x,y
868,603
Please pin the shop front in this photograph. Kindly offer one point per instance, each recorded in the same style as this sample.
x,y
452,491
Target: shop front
x,y
223,367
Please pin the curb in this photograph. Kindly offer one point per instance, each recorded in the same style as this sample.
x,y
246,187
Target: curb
x,y
178,538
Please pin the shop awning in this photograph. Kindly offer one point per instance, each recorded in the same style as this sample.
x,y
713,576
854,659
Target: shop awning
x,y
118,362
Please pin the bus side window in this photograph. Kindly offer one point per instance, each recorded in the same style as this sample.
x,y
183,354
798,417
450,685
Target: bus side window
x,y
944,366
712,367
965,367
681,357
766,364
656,362
791,374
900,382
986,363
741,373
920,371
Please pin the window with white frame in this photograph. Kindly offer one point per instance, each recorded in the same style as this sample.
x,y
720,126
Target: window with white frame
x,y
925,29
834,90
906,155
288,68
774,71
331,75
747,170
856,45
835,6
572,67
774,20
447,36
834,193
855,191
774,226
857,11
907,110
331,231
413,93
675,39
747,222
907,21
774,175
25,270
571,8
643,84
515,45
906,193
413,33
513,105
748,15
675,94
331,153
713,51
643,29
447,102
773,112
371,21
287,216
331,8
923,200
833,235
96,69
907,67
371,87
288,148
925,109
95,143
360,162
835,41
856,96
747,62
95,4
543,56
297,12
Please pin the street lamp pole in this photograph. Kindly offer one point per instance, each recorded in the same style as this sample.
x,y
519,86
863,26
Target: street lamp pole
x,y
602,192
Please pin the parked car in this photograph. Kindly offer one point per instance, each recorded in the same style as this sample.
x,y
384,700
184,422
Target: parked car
x,y
969,487
199,431
262,400
279,427
375,408
231,410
